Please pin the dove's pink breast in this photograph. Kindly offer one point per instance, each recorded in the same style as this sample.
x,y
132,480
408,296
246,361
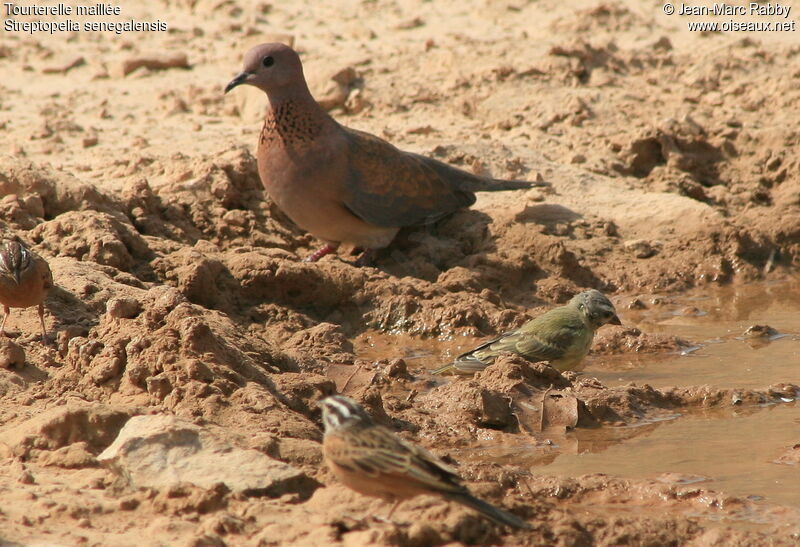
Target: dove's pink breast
x,y
309,192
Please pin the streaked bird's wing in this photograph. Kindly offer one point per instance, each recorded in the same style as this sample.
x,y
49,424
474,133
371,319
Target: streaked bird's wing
x,y
377,451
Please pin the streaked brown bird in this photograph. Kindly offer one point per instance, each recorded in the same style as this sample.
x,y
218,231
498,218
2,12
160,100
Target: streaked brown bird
x,y
562,336
339,184
374,461
25,279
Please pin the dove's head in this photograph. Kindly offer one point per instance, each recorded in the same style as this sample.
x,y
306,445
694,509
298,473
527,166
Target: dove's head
x,y
272,68
596,308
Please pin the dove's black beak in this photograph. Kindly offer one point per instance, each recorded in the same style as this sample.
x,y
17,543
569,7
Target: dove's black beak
x,y
238,80
615,321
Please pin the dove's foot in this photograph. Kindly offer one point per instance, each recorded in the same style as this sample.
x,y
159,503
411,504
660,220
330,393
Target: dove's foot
x,y
319,253
366,258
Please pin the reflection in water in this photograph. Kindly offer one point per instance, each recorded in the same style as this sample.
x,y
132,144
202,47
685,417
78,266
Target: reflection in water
x,y
727,357
544,449
738,303
734,448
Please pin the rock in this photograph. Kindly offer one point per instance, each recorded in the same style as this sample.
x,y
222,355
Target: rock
x,y
397,368
32,203
300,451
128,503
64,66
73,456
663,44
18,469
410,23
790,457
637,304
58,191
281,37
159,386
163,451
578,158
333,90
641,248
195,369
160,61
760,331
123,308
11,354
627,340
96,425
26,477
92,235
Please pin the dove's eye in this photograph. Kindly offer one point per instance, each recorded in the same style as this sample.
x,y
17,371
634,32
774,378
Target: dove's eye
x,y
268,61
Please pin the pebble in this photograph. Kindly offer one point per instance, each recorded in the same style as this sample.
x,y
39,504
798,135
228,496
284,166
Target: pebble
x,y
11,354
123,308
66,66
640,248
160,61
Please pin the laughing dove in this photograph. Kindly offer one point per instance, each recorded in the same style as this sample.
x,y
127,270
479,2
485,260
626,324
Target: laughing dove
x,y
339,184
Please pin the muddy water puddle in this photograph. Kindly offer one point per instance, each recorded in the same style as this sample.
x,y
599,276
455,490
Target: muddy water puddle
x,y
713,322
720,353
732,450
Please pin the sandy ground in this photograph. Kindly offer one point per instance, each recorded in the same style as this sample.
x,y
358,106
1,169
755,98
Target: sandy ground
x,y
673,160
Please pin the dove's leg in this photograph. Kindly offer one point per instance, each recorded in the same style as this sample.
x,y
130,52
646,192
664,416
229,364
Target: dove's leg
x,y
41,320
322,251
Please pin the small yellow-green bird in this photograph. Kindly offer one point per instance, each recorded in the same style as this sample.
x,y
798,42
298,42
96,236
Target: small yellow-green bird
x,y
562,336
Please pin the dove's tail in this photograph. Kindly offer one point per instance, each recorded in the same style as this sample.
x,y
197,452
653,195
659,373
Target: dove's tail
x,y
488,510
470,182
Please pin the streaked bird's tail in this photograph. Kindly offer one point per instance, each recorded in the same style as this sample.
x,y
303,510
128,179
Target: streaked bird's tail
x,y
488,510
447,369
